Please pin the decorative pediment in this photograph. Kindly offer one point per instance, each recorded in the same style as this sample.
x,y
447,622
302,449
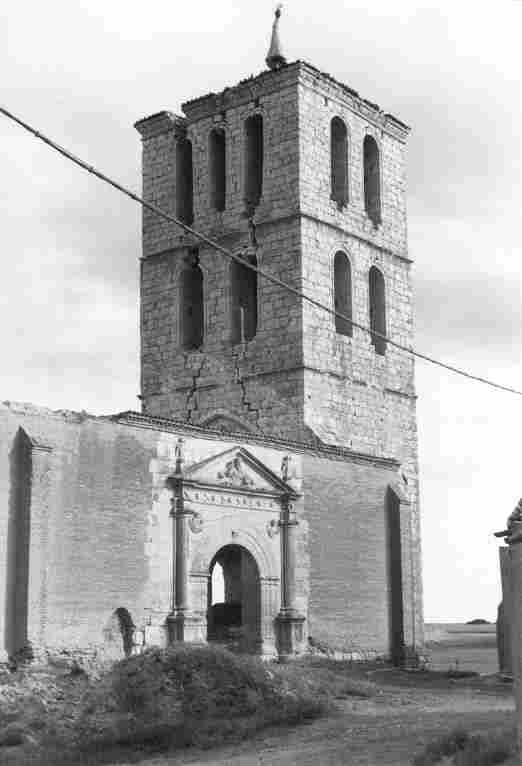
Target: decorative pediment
x,y
236,469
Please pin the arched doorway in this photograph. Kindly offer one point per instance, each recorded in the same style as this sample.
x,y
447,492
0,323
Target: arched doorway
x,y
234,600
119,634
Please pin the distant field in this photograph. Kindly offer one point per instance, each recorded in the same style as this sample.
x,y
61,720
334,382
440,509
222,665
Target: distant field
x,y
463,647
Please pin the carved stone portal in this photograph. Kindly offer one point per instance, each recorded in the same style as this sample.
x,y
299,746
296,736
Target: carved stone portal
x,y
232,513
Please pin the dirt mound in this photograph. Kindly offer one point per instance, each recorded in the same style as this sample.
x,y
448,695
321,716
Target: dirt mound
x,y
193,695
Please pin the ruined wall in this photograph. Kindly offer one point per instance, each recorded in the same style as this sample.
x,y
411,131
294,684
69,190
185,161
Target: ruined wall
x,y
89,524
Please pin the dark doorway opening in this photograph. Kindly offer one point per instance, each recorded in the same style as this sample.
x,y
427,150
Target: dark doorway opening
x,y
234,600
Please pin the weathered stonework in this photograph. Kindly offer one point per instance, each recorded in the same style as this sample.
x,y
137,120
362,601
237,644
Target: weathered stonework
x,y
297,378
289,460
98,525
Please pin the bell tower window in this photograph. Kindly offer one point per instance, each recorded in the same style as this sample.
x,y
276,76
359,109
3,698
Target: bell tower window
x,y
192,311
372,180
217,169
244,302
342,294
377,310
184,182
339,161
253,160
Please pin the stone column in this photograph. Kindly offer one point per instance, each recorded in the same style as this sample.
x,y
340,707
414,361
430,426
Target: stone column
x,y
270,598
289,622
179,597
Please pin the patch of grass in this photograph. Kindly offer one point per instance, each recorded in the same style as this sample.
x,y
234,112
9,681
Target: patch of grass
x,y
442,747
469,749
194,695
157,701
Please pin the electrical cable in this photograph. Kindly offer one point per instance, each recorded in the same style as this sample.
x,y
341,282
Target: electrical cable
x,y
262,273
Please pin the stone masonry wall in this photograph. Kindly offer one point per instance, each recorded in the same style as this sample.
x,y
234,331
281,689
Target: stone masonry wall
x,y
258,383
99,534
88,537
346,507
320,100
303,377
353,396
94,535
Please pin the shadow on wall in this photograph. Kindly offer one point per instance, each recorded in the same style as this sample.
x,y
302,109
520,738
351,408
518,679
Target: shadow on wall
x,y
20,472
396,615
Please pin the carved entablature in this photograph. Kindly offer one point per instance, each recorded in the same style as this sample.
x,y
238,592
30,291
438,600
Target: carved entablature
x,y
230,500
235,479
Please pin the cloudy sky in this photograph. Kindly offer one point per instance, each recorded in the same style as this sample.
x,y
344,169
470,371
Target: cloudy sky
x,y
84,72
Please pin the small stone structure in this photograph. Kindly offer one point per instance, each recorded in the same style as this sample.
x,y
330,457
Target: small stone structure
x,y
510,628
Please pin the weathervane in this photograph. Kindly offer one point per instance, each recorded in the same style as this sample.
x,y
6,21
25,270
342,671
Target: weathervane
x,y
275,58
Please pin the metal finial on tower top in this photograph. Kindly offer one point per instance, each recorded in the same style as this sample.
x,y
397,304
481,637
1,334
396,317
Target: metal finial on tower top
x,y
275,58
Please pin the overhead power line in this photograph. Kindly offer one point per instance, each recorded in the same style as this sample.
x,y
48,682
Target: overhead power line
x,y
228,254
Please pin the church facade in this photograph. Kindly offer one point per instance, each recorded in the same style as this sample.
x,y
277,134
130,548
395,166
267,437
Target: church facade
x,y
277,441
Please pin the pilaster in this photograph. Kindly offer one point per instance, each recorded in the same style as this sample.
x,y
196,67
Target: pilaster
x,y
289,622
40,506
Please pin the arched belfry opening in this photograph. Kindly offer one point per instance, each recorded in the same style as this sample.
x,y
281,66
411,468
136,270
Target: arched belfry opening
x,y
217,169
192,308
234,600
377,310
243,301
343,294
253,160
184,182
372,180
339,161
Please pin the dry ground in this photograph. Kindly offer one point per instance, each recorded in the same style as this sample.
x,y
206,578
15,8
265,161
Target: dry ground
x,y
395,715
389,729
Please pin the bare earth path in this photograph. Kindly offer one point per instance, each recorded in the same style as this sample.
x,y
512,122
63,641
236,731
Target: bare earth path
x,y
388,730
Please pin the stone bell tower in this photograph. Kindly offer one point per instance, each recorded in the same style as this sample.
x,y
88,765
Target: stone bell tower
x,y
299,175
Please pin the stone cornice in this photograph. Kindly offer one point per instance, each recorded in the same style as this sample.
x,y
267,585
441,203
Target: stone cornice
x,y
359,237
310,76
244,92
159,123
268,81
330,451
236,236
284,371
